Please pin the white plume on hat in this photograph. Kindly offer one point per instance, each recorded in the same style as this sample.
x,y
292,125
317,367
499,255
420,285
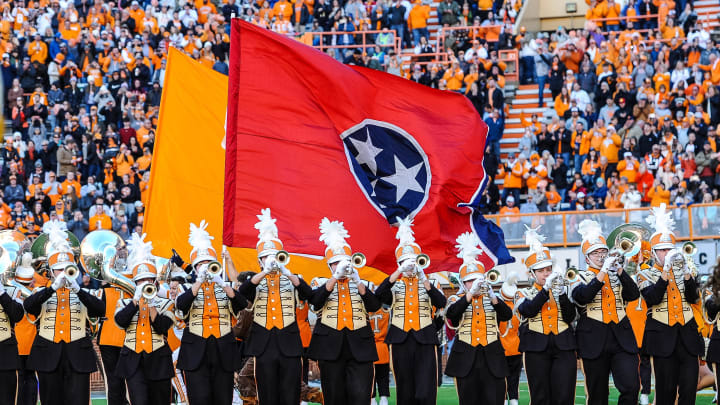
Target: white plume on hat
x,y
509,286
590,231
533,239
199,237
333,234
57,237
467,246
139,250
661,220
267,230
405,234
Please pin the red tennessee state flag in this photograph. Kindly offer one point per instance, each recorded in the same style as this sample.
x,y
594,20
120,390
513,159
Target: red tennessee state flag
x,y
310,138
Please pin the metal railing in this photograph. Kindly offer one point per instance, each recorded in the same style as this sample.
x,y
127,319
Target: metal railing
x,y
693,222
363,40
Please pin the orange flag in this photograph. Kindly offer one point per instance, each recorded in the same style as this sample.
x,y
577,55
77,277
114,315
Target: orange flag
x,y
188,168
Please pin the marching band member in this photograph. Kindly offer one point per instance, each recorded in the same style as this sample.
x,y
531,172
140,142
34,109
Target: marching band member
x,y
209,354
412,335
712,308
477,359
510,339
605,339
62,353
25,333
342,341
11,312
381,386
110,341
274,339
546,335
145,360
671,335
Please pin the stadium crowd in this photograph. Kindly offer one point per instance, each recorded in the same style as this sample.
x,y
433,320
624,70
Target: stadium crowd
x,y
634,117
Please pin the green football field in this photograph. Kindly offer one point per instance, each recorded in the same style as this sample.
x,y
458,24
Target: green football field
x,y
448,396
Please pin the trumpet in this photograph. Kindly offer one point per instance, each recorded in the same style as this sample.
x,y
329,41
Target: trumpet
x,y
689,250
422,261
493,277
359,260
72,272
571,274
282,258
149,291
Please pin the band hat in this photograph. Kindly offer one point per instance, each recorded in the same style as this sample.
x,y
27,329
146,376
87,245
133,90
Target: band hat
x,y
25,273
140,259
592,238
201,241
539,256
268,241
333,234
469,250
60,254
407,248
661,219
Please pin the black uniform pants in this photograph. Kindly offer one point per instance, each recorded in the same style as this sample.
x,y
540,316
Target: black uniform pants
x,y
277,377
144,391
381,387
624,367
676,376
513,379
305,368
480,386
8,386
210,383
645,374
114,386
27,384
64,386
415,370
551,376
345,381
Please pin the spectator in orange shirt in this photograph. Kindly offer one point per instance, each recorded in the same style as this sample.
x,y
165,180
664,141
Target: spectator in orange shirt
x,y
417,22
454,77
658,194
100,220
628,167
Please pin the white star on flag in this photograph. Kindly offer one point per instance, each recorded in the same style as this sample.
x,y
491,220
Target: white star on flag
x,y
366,152
404,179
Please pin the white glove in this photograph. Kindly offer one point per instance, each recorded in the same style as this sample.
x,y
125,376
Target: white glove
x,y
217,279
201,273
285,271
339,273
559,290
667,267
2,289
268,267
608,264
138,293
491,293
421,276
549,281
59,282
475,288
74,286
354,276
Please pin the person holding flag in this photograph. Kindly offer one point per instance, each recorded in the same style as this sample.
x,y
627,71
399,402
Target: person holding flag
x,y
605,339
671,336
546,335
274,337
510,339
208,354
342,341
145,360
412,335
380,320
477,359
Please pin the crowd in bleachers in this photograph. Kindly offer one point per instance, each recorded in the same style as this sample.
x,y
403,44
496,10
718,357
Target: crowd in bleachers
x,y
634,107
634,101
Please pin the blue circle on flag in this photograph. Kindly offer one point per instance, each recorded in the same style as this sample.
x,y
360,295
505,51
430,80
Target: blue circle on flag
x,y
390,167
